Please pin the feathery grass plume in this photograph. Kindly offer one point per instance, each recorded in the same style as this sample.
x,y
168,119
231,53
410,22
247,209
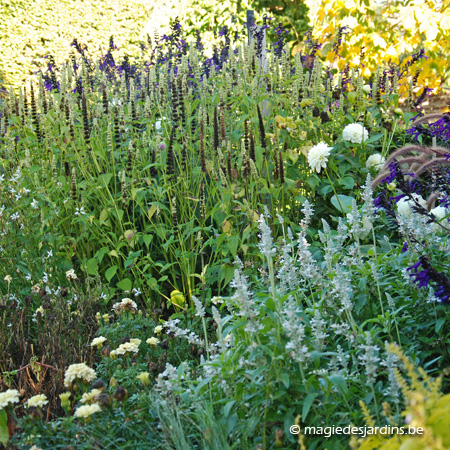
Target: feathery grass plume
x,y
34,114
73,190
85,120
202,201
174,215
262,131
432,164
170,168
202,148
281,164
215,131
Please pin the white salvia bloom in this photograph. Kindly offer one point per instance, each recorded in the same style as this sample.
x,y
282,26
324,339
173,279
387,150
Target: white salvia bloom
x,y
265,239
242,298
295,331
199,307
355,133
318,156
172,328
216,315
367,196
354,219
308,212
307,265
393,389
167,380
369,357
280,219
342,289
342,357
87,410
375,161
318,329
288,272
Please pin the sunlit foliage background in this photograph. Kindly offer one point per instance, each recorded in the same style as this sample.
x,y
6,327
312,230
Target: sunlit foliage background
x,y
391,29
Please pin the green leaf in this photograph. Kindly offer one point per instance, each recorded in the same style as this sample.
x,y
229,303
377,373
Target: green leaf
x,y
284,377
340,383
348,182
125,284
110,272
440,323
4,432
307,405
374,138
92,267
233,242
344,200
226,409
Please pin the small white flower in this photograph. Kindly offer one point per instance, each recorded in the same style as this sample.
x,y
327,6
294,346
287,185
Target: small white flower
x,y
158,329
34,204
37,401
98,341
8,278
71,275
217,300
376,161
11,396
14,217
367,89
87,410
158,124
79,211
318,156
78,372
153,341
355,133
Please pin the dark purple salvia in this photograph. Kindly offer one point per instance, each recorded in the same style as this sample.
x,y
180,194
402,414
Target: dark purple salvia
x,y
338,43
429,274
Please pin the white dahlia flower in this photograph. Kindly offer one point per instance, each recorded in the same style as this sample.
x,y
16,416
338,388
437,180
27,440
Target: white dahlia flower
x,y
318,156
355,133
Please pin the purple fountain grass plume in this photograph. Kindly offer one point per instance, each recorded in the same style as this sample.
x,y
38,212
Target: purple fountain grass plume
x,y
430,164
